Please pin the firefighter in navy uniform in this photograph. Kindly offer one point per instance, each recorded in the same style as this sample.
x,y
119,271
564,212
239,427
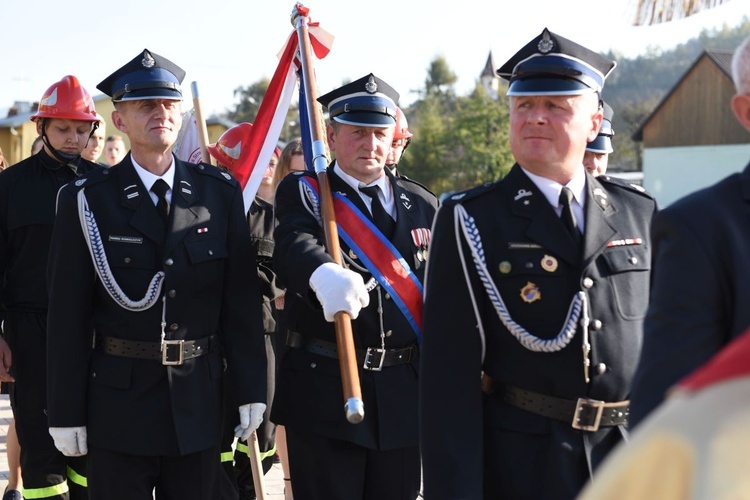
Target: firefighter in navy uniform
x,y
228,153
28,190
153,254
537,295
329,457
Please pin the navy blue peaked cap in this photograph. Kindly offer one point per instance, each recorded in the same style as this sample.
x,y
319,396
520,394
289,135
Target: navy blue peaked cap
x,y
553,65
603,141
147,76
369,102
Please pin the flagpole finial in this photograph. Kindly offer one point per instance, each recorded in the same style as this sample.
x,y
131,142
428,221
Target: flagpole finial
x,y
298,11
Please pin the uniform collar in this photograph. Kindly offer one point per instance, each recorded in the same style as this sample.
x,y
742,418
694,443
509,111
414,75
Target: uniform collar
x,y
551,189
148,179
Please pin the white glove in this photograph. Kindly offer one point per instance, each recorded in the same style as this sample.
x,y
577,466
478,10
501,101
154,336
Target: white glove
x,y
71,441
251,415
339,289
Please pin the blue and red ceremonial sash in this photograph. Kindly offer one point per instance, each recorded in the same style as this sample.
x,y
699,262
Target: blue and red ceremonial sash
x,y
378,255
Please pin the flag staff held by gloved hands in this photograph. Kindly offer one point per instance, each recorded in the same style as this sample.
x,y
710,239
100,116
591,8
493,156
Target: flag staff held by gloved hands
x,y
354,405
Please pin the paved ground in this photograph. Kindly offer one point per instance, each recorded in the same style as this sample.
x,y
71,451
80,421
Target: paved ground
x,y
273,480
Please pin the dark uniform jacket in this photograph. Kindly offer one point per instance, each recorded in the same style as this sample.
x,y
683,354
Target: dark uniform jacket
x,y
475,445
139,406
261,221
28,191
700,289
309,392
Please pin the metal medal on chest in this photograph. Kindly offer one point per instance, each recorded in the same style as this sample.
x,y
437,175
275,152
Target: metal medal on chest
x,y
549,263
530,293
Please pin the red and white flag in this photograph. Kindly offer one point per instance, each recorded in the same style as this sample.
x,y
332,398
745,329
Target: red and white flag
x,y
273,110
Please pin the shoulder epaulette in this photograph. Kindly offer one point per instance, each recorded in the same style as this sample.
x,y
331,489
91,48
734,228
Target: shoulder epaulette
x,y
211,171
468,194
89,179
412,181
614,181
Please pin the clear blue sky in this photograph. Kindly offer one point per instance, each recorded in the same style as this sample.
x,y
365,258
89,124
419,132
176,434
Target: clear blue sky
x,y
224,44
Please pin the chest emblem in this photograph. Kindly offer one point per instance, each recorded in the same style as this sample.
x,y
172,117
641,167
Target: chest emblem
x,y
549,263
530,293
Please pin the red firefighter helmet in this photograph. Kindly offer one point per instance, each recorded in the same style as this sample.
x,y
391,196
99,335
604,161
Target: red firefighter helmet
x,y
402,126
67,100
227,150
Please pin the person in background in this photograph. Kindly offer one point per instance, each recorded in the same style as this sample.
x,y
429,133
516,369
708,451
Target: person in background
x,y
292,159
228,153
152,256
597,153
701,280
114,150
65,120
532,352
389,219
401,140
95,144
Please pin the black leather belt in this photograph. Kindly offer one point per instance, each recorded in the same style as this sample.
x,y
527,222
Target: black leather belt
x,y
372,358
583,414
169,352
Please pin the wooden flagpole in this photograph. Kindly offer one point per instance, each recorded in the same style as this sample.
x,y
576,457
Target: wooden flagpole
x,y
353,406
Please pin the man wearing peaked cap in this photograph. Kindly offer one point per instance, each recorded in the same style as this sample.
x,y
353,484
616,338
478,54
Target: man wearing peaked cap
x,y
597,153
385,224
160,264
548,272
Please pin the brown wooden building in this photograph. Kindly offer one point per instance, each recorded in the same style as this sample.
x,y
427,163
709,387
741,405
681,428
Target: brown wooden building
x,y
692,139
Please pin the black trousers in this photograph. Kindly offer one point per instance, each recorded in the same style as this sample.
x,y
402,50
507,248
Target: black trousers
x,y
330,469
121,476
46,472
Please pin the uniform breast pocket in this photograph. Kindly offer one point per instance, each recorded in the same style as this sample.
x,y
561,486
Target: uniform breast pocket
x,y
629,276
133,264
207,264
532,285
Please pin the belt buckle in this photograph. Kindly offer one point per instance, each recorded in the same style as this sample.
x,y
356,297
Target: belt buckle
x,y
581,405
367,365
165,345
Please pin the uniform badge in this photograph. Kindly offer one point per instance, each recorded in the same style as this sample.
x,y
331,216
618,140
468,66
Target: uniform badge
x,y
504,267
530,293
405,201
371,86
522,193
545,44
352,255
227,176
458,196
148,61
80,182
201,230
549,263
625,242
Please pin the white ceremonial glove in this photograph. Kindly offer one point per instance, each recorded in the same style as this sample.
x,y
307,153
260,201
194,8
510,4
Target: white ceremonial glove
x,y
339,289
71,441
251,415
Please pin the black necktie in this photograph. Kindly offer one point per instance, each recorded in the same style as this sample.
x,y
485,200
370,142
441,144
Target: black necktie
x,y
160,189
567,215
382,219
